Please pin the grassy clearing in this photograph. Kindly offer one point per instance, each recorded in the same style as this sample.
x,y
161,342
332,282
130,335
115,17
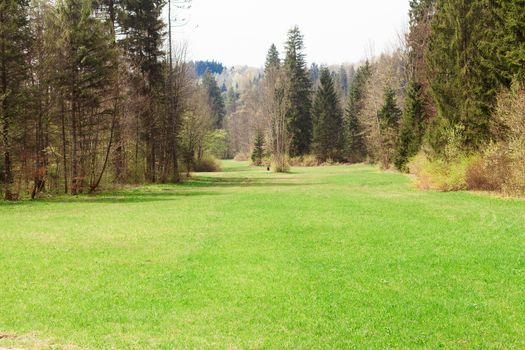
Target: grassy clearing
x,y
334,257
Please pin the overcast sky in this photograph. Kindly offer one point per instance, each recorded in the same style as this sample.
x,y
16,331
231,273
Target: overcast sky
x,y
239,32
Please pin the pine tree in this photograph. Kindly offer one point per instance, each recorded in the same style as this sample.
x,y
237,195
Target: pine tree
x,y
272,58
215,98
85,49
143,39
297,102
411,126
343,80
258,149
314,73
355,146
388,118
14,46
463,86
327,120
506,45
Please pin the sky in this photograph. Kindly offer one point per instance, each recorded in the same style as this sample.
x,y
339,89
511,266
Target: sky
x,y
239,32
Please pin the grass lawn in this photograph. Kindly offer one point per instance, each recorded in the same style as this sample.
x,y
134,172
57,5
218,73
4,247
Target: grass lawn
x,y
334,257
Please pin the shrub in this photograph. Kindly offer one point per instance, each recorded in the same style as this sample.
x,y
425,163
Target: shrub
x,y
477,179
305,161
241,157
439,174
206,165
280,169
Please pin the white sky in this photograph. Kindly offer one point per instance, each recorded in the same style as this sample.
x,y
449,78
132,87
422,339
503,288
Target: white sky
x,y
239,32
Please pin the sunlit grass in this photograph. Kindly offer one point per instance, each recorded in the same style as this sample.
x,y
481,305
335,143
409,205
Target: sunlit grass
x,y
333,257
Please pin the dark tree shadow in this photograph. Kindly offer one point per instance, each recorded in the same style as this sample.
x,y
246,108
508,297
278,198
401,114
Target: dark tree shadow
x,y
212,181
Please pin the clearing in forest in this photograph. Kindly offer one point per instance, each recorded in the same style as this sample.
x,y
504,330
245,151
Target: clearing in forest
x,y
329,257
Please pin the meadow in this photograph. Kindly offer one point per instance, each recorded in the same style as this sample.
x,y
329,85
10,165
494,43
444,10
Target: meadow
x,y
326,257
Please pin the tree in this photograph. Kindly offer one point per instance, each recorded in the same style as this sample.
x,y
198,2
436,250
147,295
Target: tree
x,y
14,46
411,126
388,119
314,73
273,108
297,102
85,49
463,86
196,124
327,120
215,98
272,58
343,80
258,149
420,19
143,29
355,146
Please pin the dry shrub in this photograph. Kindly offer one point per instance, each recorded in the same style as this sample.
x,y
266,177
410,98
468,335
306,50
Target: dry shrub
x,y
305,161
477,179
504,161
280,169
207,165
242,157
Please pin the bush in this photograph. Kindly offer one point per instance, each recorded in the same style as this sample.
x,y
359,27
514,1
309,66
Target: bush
x,y
206,165
477,177
241,157
439,174
280,169
305,161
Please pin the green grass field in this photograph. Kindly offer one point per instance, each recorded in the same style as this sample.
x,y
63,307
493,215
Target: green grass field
x,y
334,257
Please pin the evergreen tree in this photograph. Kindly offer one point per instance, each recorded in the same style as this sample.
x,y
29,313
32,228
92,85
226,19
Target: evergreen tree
x,y
314,73
343,80
297,101
215,98
327,120
463,85
355,146
389,118
411,126
141,22
14,47
272,58
506,40
258,149
85,50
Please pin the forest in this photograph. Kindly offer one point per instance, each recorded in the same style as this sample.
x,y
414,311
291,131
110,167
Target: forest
x,y
152,197
98,93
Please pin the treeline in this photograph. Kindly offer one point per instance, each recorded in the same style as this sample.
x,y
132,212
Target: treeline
x,y
464,95
92,92
212,66
446,105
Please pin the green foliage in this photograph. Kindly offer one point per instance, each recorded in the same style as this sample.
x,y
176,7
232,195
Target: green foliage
x,y
327,120
15,43
463,85
297,101
258,149
144,28
388,116
439,174
272,59
355,146
411,127
216,100
216,143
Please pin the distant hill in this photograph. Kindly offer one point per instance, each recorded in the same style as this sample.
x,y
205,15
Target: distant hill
x,y
212,66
